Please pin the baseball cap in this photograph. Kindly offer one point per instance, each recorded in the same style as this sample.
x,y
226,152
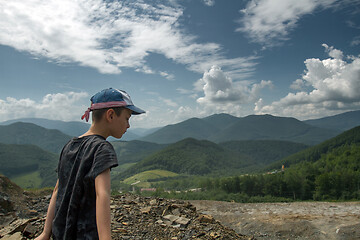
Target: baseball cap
x,y
111,97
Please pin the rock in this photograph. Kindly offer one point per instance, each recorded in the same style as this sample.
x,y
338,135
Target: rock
x,y
145,210
134,217
182,221
16,226
15,236
5,203
206,219
153,202
29,231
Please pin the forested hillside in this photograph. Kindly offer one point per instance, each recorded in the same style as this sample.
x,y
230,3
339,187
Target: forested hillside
x,y
201,157
28,133
329,171
28,161
134,151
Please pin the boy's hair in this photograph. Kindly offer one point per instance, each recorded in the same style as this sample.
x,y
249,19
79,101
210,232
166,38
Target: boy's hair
x,y
97,114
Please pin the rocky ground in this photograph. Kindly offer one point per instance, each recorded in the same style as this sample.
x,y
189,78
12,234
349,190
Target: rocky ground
x,y
22,216
298,220
134,217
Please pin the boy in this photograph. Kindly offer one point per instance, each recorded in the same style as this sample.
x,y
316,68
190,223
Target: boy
x,y
80,205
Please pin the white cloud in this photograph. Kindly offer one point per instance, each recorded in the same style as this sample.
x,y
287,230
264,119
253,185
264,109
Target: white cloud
x,y
108,35
334,53
355,41
298,84
209,3
268,21
167,75
168,102
222,94
335,88
59,106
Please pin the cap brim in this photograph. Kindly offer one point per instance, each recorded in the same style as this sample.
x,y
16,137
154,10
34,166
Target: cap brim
x,y
135,110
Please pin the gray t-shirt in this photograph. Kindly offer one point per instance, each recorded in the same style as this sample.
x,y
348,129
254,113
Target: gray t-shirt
x,y
81,161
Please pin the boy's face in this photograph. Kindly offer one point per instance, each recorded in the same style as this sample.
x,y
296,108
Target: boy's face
x,y
121,123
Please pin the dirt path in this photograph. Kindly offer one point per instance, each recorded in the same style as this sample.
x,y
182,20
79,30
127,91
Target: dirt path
x,y
299,220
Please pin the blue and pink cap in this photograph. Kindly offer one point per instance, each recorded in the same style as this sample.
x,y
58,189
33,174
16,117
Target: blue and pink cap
x,y
109,98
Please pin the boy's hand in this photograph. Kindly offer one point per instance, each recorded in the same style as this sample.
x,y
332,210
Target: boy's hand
x,y
42,236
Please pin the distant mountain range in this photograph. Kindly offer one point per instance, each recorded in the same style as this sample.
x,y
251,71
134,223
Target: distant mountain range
x,y
342,122
223,127
69,128
73,128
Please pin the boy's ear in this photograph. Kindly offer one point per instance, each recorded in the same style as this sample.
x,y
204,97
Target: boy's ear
x,y
109,115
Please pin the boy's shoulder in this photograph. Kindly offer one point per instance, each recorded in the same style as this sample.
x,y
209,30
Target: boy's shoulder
x,y
91,141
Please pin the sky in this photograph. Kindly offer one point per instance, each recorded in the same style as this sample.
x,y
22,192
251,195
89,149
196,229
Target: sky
x,y
180,59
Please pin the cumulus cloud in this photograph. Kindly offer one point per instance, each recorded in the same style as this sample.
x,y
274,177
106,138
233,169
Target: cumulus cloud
x,y
334,53
335,88
268,21
59,106
222,94
107,35
298,84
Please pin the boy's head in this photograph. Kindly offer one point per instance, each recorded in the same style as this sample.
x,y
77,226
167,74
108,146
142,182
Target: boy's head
x,y
110,99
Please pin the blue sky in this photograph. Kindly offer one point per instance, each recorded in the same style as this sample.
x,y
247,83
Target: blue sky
x,y
180,58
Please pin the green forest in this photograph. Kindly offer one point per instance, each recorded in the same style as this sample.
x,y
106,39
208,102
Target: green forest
x,y
328,171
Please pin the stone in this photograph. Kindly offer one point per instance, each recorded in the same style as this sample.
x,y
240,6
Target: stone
x,y
206,219
16,226
29,231
182,221
146,210
171,218
15,236
133,217
153,202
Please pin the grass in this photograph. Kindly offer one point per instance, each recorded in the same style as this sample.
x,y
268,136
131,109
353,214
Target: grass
x,y
28,180
143,177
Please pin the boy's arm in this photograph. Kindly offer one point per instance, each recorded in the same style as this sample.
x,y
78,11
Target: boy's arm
x,y
103,216
46,234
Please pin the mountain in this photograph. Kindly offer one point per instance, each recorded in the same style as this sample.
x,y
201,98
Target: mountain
x,y
17,160
69,128
343,122
134,151
201,157
142,132
263,152
191,128
224,127
29,133
72,128
268,127
189,156
221,121
314,153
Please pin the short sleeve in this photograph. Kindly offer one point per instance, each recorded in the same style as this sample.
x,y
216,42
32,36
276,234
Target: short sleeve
x,y
104,158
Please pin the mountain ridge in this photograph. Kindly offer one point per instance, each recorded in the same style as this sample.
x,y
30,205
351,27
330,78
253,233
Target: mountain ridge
x,y
223,127
28,133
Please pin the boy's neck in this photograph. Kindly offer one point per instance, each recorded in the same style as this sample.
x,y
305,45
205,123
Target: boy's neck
x,y
96,129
